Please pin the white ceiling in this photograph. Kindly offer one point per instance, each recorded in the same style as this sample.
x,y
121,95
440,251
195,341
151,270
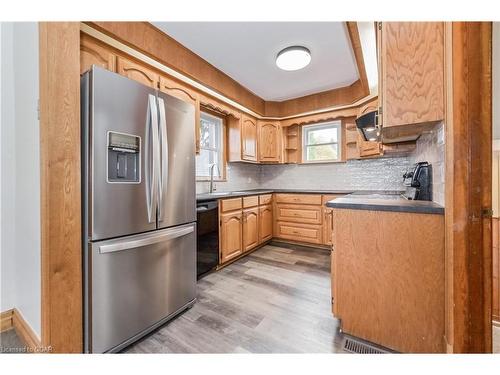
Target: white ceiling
x,y
246,51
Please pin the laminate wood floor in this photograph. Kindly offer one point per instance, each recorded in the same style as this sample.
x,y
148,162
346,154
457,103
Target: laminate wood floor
x,y
275,300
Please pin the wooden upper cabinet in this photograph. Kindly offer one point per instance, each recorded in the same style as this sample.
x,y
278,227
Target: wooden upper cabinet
x,y
174,88
138,72
230,235
249,138
93,52
269,141
411,86
250,228
265,223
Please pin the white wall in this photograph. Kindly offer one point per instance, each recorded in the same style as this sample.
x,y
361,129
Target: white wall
x,y
20,172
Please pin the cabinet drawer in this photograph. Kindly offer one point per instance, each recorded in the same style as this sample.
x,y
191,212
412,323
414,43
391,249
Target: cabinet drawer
x,y
298,198
299,232
230,204
299,213
250,201
265,199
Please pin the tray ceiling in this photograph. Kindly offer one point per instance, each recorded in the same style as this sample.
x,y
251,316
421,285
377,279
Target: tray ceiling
x,y
246,52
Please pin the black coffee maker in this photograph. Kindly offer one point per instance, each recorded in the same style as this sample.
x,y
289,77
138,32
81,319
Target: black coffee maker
x,y
418,182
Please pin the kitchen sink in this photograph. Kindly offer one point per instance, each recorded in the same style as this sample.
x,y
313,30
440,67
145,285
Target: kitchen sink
x,y
221,193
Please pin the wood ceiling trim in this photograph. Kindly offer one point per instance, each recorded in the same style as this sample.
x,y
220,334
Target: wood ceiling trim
x,y
158,46
153,42
352,29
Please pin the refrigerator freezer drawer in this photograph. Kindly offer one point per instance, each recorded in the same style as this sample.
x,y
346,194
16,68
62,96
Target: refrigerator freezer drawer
x,y
136,283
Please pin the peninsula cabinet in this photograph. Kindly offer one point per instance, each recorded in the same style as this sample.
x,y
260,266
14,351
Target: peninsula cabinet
x,y
388,281
411,78
270,141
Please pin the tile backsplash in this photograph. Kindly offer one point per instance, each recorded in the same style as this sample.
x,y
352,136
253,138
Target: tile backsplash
x,y
239,176
431,148
370,174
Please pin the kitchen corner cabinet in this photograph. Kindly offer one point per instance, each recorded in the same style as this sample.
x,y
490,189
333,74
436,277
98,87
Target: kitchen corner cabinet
x,y
411,78
250,228
269,140
231,234
174,88
242,136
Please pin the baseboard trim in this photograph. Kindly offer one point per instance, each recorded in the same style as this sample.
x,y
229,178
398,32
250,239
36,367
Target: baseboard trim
x,y
13,319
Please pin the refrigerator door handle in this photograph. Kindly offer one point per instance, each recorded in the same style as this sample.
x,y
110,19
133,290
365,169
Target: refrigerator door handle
x,y
151,159
146,240
163,180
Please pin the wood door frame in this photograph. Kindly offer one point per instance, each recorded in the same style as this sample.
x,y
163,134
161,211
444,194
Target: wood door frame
x,y
61,246
468,189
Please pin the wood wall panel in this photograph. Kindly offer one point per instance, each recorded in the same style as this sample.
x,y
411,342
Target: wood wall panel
x,y
389,281
60,186
468,188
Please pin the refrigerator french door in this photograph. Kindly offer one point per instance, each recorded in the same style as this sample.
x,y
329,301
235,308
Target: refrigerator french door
x,y
139,225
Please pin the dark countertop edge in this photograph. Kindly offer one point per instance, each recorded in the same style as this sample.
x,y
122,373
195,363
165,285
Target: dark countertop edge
x,y
419,207
245,193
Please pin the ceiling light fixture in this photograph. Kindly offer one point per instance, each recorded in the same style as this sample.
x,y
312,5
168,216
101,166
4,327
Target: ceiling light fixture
x,y
293,58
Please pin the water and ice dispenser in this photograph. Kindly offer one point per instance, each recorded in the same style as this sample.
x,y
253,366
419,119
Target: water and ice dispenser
x,y
124,158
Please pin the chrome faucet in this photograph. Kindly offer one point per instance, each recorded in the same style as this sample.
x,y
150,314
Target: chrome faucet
x,y
211,168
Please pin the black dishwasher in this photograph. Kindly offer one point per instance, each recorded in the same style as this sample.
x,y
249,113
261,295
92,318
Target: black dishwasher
x,y
207,254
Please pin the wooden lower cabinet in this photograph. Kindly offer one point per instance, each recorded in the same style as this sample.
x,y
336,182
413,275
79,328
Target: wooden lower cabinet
x,y
265,223
250,228
230,235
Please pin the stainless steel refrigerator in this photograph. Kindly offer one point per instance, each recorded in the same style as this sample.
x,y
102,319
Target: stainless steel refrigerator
x,y
138,184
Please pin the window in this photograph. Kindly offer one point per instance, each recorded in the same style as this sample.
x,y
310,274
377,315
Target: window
x,y
321,142
211,143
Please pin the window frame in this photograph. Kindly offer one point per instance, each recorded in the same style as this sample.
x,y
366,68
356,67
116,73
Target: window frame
x,y
223,176
340,150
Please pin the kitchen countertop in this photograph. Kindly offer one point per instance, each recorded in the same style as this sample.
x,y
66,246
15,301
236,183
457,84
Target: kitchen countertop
x,y
242,193
385,202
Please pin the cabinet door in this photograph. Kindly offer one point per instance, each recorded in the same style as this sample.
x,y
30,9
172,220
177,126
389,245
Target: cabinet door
x,y
250,228
249,139
94,53
174,88
269,142
412,58
137,72
230,235
265,223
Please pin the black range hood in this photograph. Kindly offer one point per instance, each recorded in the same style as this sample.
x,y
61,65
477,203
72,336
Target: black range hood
x,y
367,123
